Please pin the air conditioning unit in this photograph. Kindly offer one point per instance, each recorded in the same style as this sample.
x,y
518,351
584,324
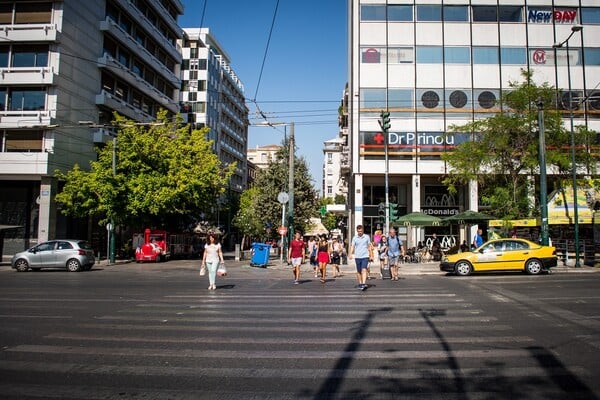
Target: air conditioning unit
x,y
429,99
486,99
594,100
458,99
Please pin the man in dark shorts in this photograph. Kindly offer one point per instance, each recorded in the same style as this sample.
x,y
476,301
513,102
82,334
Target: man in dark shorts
x,y
362,251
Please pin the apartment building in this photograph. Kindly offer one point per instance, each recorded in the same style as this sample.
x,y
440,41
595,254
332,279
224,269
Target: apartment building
x,y
63,63
213,96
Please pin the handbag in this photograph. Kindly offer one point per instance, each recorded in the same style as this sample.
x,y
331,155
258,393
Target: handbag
x,y
202,270
222,271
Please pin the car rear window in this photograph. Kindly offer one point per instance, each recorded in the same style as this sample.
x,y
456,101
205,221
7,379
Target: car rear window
x,y
84,245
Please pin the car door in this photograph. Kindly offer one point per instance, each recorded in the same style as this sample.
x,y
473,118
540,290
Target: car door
x,y
43,255
489,257
517,252
64,250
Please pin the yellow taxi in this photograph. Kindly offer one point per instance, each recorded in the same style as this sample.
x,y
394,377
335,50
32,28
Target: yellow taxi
x,y
502,255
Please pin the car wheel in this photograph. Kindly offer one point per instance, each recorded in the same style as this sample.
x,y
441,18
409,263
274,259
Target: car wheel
x,y
463,268
73,265
533,266
21,265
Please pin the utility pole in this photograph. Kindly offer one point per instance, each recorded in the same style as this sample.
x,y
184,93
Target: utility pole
x,y
385,125
543,185
291,186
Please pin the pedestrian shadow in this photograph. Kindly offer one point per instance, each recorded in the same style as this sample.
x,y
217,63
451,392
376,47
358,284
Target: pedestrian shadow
x,y
228,286
331,386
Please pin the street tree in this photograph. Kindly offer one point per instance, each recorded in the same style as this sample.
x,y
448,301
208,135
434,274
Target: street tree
x,y
504,151
261,207
163,172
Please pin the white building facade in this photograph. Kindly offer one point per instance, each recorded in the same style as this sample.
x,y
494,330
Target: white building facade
x,y
213,96
64,62
433,64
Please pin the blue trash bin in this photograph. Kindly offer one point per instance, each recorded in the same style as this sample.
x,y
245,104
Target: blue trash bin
x,y
260,256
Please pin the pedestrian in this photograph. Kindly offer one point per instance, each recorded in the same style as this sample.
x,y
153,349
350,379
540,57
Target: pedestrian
x,y
213,255
436,248
337,250
296,255
478,239
324,249
382,251
312,251
395,251
361,250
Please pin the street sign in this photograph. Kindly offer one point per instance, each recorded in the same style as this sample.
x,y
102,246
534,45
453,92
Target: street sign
x,y
282,230
283,197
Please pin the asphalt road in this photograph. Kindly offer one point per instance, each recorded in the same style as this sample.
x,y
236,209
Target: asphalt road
x,y
154,331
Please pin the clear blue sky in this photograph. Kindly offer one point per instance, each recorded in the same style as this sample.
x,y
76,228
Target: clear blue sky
x,y
305,70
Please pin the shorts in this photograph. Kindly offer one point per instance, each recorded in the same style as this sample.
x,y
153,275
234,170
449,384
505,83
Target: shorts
x,y
361,263
296,261
393,260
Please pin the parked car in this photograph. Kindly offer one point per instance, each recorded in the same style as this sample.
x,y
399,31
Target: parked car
x,y
74,255
502,255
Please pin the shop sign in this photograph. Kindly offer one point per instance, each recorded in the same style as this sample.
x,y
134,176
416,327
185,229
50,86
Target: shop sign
x,y
409,139
547,16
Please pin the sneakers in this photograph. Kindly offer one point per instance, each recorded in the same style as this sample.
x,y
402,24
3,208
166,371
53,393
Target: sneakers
x,y
296,282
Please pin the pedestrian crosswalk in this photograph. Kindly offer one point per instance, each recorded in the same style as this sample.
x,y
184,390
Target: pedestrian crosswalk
x,y
276,341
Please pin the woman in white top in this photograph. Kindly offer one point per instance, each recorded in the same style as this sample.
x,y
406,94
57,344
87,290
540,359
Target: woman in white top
x,y
211,259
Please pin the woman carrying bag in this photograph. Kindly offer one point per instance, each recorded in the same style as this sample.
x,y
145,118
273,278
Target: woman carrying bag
x,y
213,256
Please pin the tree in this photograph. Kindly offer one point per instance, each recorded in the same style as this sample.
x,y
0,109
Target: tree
x,y
163,172
503,152
262,207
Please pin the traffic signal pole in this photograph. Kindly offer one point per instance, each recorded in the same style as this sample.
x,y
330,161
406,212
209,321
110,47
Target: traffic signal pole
x,y
384,123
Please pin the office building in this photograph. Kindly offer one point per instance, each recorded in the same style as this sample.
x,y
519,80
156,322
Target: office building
x,y
434,64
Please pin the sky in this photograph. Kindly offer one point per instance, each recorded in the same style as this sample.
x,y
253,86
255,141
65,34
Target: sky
x,y
304,72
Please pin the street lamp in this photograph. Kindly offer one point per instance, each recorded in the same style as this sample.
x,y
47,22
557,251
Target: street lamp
x,y
574,28
543,185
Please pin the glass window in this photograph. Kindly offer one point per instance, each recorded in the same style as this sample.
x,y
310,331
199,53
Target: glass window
x,y
27,99
485,55
110,47
400,55
401,98
123,57
108,83
485,14
202,64
30,56
372,13
456,13
510,14
513,55
590,15
457,55
400,13
136,99
429,12
24,141
4,56
33,13
2,99
6,14
372,98
429,54
592,56
125,24
194,52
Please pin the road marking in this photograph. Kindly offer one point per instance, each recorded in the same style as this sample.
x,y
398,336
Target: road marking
x,y
36,316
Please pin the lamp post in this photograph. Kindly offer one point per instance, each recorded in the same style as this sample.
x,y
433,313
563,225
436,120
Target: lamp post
x,y
543,185
574,28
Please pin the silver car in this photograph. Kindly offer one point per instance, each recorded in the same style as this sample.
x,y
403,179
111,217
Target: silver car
x,y
74,255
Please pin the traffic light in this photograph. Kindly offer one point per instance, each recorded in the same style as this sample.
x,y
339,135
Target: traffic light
x,y
393,212
385,121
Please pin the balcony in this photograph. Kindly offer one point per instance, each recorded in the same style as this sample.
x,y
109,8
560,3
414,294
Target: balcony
x,y
29,33
19,164
25,119
27,76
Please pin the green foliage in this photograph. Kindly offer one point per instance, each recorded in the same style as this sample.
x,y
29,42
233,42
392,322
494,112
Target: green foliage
x,y
504,151
261,205
163,171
